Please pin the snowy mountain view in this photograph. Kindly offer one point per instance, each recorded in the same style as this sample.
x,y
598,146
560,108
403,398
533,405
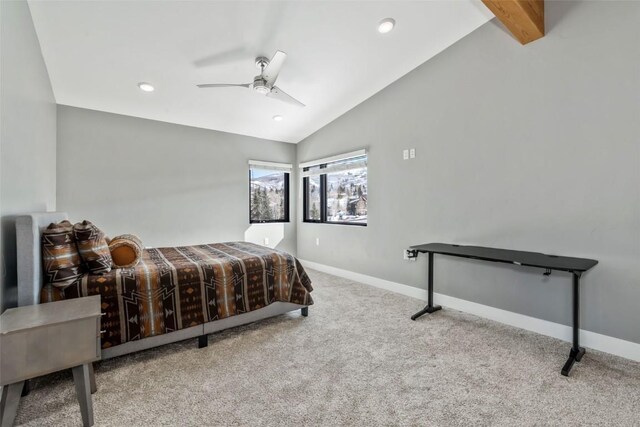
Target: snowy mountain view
x,y
347,196
267,196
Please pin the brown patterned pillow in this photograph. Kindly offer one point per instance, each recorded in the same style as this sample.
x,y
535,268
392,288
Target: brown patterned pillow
x,y
50,294
60,256
93,247
126,250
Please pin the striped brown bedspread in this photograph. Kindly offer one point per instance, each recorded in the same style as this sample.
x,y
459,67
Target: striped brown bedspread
x,y
175,288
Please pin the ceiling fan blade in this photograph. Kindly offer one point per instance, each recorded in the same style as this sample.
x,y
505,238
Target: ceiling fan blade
x,y
203,86
277,93
272,70
224,57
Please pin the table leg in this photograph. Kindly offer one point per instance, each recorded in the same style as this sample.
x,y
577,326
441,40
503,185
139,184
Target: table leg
x,y
203,341
9,403
26,389
429,308
83,391
576,353
92,379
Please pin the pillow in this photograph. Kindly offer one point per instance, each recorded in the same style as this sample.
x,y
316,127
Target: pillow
x,y
60,257
50,294
126,250
92,247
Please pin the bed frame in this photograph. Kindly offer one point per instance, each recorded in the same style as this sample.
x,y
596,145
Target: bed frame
x,y
30,280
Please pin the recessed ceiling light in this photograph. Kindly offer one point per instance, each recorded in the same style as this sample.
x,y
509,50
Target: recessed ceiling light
x,y
146,87
277,118
386,25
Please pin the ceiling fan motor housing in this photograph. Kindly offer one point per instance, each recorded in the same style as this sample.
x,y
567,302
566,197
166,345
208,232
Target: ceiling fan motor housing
x,y
260,85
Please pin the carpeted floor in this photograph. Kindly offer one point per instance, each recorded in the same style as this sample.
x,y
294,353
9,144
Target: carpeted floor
x,y
356,360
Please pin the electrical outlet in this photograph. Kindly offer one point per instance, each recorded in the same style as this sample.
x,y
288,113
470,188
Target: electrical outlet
x,y
405,255
405,154
317,241
266,240
412,153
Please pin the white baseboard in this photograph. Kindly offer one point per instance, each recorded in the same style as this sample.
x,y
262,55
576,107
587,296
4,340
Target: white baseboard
x,y
607,344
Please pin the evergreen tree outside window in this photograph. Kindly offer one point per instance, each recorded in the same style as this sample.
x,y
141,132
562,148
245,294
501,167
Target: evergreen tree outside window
x,y
268,193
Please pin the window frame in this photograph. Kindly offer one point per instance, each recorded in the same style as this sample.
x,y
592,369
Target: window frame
x,y
323,199
287,177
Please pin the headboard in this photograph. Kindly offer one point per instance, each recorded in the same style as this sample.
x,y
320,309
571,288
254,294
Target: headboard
x,y
29,253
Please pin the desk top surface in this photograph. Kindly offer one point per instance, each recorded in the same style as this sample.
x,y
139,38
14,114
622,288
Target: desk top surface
x,y
531,259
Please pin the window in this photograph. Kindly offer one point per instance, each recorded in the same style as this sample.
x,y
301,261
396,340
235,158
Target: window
x,y
335,189
268,192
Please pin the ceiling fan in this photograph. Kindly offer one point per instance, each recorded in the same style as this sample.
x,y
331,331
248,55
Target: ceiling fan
x,y
265,82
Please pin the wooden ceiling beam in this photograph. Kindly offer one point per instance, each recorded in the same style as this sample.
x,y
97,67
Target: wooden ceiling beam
x,y
524,18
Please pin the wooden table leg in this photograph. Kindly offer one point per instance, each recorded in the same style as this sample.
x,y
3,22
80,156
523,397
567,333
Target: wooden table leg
x,y
9,403
82,380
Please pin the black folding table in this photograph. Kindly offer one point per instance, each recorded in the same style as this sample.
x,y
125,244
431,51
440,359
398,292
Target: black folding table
x,y
575,266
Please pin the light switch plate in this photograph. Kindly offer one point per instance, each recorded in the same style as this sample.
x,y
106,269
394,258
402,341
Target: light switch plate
x,y
412,153
405,154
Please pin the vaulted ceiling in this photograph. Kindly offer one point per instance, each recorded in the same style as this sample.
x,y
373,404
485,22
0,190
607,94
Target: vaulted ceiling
x,y
97,52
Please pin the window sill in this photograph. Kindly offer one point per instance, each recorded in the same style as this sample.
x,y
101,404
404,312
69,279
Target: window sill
x,y
335,223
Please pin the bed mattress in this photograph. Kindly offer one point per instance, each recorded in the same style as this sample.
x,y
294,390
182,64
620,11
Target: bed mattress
x,y
179,287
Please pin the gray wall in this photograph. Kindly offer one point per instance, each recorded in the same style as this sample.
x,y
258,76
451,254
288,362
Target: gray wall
x,y
27,134
533,148
169,184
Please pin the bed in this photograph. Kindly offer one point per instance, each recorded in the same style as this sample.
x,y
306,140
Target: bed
x,y
173,293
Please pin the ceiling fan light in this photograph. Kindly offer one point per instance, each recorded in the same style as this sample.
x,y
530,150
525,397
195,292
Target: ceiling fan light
x,y
386,25
146,87
262,89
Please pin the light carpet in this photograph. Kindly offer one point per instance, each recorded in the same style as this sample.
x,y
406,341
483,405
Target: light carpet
x,y
356,360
